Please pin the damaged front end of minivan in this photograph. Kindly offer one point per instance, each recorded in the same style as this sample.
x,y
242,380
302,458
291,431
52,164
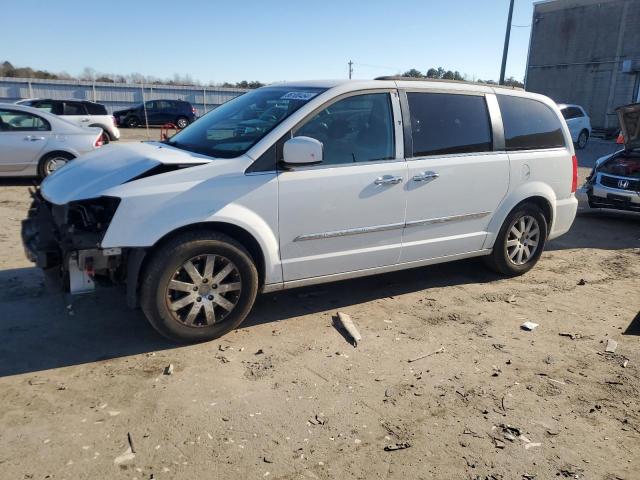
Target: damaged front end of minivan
x,y
66,239
614,182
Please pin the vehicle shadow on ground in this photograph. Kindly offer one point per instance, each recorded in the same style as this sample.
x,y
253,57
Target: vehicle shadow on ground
x,y
606,230
41,329
19,182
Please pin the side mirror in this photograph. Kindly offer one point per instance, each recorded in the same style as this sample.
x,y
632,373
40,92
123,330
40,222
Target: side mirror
x,y
302,151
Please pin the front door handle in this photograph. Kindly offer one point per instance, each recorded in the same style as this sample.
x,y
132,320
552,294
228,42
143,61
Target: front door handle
x,y
31,138
387,180
424,176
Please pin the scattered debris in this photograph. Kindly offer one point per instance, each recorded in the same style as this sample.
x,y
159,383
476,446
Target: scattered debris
x,y
571,471
267,460
259,352
169,369
420,357
625,363
529,326
582,281
222,358
510,432
498,443
611,346
511,299
125,457
549,360
397,446
347,324
131,445
37,381
572,336
317,420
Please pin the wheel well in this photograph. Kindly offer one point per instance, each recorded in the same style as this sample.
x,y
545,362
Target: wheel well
x,y
239,234
53,152
104,130
544,205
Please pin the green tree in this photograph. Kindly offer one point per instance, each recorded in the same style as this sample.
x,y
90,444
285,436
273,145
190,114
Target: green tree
x,y
413,73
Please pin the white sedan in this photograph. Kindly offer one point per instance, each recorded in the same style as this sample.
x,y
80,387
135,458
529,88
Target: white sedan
x,y
36,143
578,122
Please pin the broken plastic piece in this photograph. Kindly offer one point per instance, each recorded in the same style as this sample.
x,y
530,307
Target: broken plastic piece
x,y
349,326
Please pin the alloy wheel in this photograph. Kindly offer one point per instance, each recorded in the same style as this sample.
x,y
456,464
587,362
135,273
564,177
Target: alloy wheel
x,y
54,163
203,290
582,140
522,241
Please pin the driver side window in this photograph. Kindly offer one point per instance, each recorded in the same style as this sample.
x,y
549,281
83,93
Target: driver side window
x,y
354,129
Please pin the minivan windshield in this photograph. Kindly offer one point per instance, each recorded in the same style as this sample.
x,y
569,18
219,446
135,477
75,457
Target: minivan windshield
x,y
236,126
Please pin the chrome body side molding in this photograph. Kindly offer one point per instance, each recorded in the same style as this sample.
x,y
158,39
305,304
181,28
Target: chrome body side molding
x,y
392,226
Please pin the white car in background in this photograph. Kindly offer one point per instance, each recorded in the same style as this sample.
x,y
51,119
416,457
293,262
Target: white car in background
x,y
36,143
578,122
81,112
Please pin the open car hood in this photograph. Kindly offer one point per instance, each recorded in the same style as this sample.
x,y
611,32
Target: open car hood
x,y
629,118
110,166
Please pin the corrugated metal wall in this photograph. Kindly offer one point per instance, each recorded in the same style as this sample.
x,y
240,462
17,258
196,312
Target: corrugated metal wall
x,y
114,96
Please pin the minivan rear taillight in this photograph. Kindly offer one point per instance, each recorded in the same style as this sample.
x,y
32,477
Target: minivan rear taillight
x,y
574,180
194,111
113,119
99,141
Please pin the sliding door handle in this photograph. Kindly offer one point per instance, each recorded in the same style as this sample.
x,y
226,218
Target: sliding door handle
x,y
387,180
424,176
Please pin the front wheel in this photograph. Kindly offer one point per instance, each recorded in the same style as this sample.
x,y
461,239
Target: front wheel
x,y
583,138
132,122
198,286
520,241
52,162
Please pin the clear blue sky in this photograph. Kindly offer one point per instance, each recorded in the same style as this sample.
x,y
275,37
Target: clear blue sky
x,y
264,40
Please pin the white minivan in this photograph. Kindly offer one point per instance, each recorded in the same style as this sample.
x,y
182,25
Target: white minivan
x,y
304,183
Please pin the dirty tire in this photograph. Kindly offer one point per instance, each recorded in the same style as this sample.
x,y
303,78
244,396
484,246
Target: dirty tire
x,y
499,260
182,122
46,163
132,122
161,269
583,138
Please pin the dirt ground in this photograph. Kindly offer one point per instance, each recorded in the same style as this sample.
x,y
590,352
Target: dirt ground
x,y
285,396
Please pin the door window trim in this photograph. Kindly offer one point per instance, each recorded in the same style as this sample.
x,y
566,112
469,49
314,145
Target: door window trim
x,y
44,121
397,130
495,122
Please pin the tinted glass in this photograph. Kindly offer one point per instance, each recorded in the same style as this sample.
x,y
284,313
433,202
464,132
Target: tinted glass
x,y
74,108
95,108
529,124
164,105
17,121
444,123
571,112
46,106
355,129
234,127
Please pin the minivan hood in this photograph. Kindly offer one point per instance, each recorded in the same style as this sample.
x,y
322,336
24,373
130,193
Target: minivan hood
x,y
629,118
110,166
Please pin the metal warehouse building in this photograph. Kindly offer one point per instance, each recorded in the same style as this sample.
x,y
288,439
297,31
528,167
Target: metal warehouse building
x,y
586,52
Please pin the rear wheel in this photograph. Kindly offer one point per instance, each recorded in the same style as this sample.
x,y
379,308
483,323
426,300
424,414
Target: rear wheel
x,y
520,241
132,122
198,286
583,138
52,162
182,122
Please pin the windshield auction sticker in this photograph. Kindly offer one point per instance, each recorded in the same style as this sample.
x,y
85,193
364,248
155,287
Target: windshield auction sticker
x,y
298,96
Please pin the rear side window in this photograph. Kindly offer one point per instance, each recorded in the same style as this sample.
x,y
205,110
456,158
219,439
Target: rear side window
x,y
529,124
95,109
571,112
443,123
73,108
19,121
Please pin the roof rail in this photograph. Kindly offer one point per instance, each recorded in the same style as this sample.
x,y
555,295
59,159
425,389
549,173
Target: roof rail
x,y
444,80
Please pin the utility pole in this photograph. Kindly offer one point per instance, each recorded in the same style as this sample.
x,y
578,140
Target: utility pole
x,y
350,69
505,51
